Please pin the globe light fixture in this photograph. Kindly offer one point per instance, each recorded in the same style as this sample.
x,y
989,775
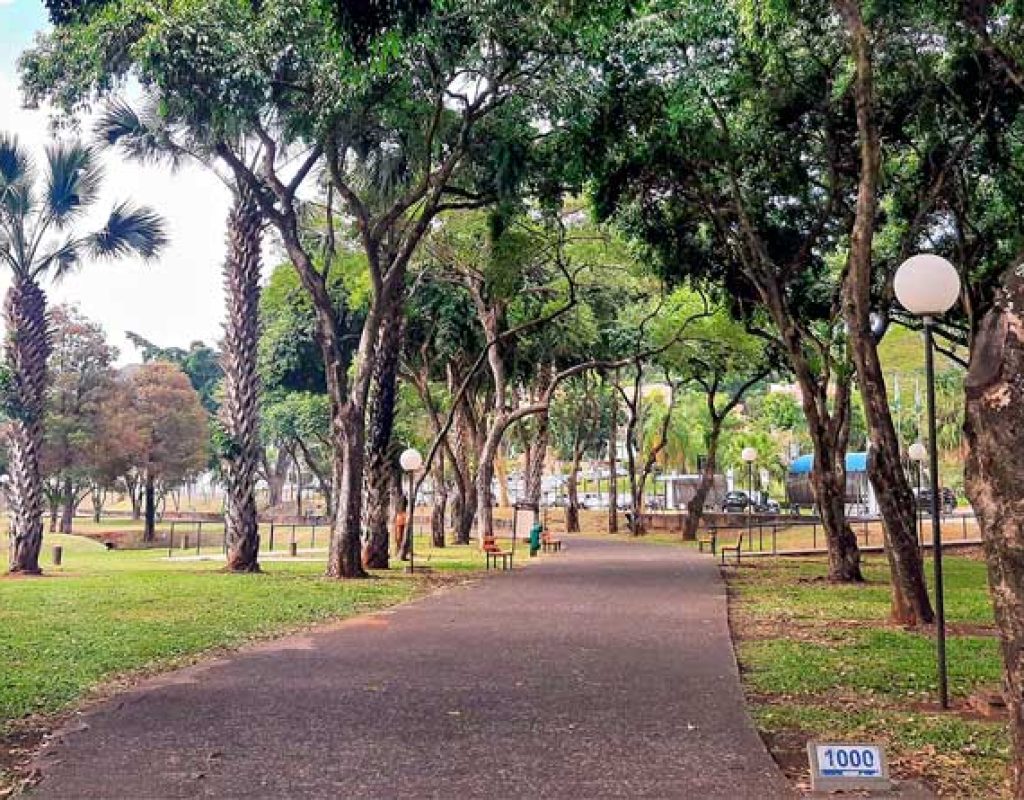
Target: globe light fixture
x,y
411,461
917,451
749,454
928,286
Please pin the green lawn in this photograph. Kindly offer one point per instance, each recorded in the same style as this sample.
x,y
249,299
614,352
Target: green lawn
x,y
821,660
105,613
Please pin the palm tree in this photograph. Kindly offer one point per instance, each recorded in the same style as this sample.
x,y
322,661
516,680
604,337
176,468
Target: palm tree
x,y
38,240
147,136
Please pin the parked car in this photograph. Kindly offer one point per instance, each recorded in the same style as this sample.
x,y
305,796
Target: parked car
x,y
767,506
735,501
947,499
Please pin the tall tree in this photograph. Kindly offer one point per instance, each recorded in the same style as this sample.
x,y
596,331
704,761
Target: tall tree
x,y
81,378
39,214
172,427
149,136
726,363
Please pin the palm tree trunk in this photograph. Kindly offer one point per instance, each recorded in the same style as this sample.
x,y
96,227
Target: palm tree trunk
x,y
240,412
26,349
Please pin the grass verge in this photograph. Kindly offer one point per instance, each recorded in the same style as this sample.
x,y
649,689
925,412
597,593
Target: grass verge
x,y
822,661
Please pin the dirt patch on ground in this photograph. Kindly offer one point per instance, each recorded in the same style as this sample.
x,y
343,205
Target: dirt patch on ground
x,y
18,745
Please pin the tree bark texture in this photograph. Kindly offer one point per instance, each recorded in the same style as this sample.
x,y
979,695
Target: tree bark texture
x,y
379,458
572,507
68,498
695,508
240,411
994,433
462,467
26,350
440,509
149,529
613,469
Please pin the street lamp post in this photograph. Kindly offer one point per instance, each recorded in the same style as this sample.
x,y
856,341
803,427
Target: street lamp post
x,y
928,286
918,454
411,461
749,455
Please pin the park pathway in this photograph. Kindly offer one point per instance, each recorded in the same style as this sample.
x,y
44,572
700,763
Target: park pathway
x,y
603,671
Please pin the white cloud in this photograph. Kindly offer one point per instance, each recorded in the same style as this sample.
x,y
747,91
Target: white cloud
x,y
172,301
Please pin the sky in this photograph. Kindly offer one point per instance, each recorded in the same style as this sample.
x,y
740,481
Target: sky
x,y
173,300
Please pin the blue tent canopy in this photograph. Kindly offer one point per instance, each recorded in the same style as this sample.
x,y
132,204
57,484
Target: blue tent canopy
x,y
855,462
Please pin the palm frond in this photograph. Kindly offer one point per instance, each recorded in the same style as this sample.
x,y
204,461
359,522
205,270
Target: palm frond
x,y
63,260
72,181
15,162
16,176
143,135
129,230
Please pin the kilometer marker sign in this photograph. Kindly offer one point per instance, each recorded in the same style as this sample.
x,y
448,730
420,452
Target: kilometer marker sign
x,y
846,765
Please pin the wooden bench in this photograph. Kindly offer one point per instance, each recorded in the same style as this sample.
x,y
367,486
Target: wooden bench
x,y
493,554
736,548
710,539
550,544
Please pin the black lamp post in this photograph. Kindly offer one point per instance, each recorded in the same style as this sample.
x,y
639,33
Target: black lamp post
x,y
928,286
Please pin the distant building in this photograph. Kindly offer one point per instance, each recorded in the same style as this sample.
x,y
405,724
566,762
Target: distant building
x,y
679,490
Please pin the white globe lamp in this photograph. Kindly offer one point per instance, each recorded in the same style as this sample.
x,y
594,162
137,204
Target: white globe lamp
x,y
927,285
410,460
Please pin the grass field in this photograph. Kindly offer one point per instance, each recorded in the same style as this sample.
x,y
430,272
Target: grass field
x,y
104,614
822,661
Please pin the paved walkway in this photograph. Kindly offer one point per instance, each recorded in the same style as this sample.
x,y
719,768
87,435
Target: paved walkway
x,y
603,671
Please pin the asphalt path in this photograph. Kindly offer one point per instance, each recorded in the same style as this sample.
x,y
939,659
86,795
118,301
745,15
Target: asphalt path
x,y
602,671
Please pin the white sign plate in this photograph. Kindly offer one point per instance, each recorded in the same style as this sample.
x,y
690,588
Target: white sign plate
x,y
845,765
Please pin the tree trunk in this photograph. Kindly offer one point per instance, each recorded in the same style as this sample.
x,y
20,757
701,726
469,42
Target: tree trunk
x,y
466,498
276,477
994,433
134,487
572,507
379,458
830,494
501,472
149,532
613,469
910,603
439,511
695,508
345,555
98,497
67,518
534,467
240,411
26,349
484,480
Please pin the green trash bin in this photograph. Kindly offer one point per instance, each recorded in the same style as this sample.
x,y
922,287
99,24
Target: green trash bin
x,y
535,533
